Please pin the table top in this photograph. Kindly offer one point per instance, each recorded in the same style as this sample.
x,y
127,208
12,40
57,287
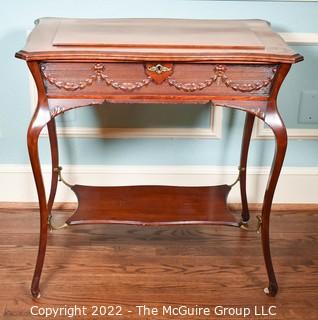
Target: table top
x,y
156,39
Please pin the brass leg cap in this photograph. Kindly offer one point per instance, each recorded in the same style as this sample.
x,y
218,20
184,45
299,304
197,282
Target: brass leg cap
x,y
243,225
36,295
271,290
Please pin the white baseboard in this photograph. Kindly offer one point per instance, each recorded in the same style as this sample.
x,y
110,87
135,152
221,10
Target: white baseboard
x,y
296,184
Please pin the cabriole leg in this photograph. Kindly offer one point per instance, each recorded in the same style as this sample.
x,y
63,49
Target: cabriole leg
x,y
274,121
55,162
38,122
33,136
248,127
40,119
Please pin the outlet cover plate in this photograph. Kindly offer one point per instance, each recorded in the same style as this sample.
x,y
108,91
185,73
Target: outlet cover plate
x,y
308,107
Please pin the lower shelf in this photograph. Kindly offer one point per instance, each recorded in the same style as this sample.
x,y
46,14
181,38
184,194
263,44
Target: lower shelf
x,y
152,205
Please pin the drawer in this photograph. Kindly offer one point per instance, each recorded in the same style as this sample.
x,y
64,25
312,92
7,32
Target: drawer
x,y
153,79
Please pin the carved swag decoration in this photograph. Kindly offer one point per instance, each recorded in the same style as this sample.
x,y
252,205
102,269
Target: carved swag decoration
x,y
158,73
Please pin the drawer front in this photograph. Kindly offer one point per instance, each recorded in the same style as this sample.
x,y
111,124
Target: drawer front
x,y
178,79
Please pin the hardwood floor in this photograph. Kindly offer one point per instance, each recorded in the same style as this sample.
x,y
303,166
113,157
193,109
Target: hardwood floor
x,y
186,265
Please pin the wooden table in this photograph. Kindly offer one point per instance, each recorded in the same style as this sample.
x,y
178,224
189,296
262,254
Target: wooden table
x,y
238,64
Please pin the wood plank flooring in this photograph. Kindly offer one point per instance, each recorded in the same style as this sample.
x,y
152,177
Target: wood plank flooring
x,y
159,266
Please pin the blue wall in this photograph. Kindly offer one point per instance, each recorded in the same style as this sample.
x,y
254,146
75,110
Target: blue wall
x,y
17,18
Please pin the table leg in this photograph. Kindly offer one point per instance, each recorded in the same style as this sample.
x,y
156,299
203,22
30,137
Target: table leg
x,y
55,162
248,127
35,128
40,119
274,121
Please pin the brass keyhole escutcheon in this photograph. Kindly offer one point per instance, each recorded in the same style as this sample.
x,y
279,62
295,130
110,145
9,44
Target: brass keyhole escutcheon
x,y
159,72
159,68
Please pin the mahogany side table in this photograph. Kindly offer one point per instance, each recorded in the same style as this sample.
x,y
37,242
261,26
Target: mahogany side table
x,y
238,64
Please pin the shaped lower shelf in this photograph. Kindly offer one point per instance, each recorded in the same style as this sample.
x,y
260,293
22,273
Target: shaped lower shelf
x,y
152,205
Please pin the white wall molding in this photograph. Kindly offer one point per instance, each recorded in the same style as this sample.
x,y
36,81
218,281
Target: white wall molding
x,y
300,38
214,130
296,184
261,132
270,0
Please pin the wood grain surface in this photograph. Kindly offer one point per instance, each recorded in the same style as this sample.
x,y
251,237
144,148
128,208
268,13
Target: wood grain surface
x,y
156,40
152,205
162,33
156,266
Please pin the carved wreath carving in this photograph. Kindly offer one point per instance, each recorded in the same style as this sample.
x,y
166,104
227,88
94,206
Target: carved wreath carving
x,y
218,76
98,75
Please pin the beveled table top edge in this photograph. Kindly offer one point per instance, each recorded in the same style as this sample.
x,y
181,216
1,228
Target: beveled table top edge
x,y
134,57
